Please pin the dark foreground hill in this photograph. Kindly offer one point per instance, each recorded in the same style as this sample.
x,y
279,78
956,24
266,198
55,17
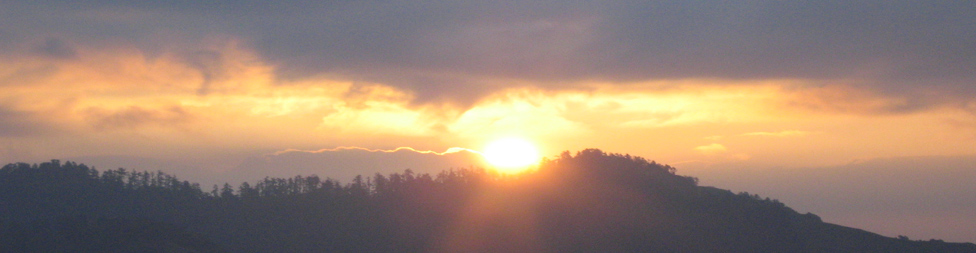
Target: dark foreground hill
x,y
590,201
83,234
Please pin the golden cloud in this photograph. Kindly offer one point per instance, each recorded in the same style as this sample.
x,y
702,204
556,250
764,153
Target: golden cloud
x,y
713,148
785,133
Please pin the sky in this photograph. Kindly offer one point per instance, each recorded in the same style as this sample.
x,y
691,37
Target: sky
x,y
863,112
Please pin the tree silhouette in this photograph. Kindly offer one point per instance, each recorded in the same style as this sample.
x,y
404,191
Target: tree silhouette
x,y
587,201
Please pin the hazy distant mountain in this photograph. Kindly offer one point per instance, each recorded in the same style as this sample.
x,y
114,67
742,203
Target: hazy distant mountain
x,y
590,201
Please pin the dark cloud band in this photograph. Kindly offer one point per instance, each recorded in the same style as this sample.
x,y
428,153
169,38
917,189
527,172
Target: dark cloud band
x,y
444,51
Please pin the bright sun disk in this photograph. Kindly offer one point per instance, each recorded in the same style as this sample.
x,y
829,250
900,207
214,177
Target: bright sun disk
x,y
511,155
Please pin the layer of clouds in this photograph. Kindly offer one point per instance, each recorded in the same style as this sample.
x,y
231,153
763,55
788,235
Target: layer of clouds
x,y
14,123
459,51
135,116
55,48
712,148
784,133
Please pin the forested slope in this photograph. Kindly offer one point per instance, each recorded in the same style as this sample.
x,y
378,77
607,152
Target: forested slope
x,y
588,201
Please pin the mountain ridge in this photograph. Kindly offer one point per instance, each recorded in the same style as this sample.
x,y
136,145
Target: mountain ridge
x,y
590,201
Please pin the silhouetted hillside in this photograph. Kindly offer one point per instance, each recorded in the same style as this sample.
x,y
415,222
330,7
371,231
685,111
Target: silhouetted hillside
x,y
590,201
81,234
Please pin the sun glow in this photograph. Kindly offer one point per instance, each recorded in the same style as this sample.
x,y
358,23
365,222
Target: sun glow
x,y
511,155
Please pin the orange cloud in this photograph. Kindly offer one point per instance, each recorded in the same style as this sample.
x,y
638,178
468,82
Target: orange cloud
x,y
713,148
448,151
785,133
135,116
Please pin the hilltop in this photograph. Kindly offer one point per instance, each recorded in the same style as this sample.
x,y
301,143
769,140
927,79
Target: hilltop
x,y
587,201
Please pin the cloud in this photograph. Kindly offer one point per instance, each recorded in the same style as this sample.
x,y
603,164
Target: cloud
x,y
379,117
135,116
55,48
211,67
785,133
713,148
713,137
456,52
853,99
16,123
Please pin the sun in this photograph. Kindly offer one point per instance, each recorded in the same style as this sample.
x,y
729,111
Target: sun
x,y
511,154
